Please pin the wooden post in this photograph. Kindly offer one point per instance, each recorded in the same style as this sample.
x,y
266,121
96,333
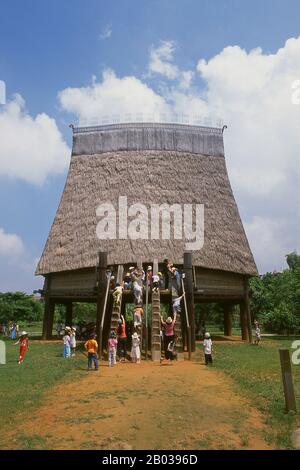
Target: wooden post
x,y
48,310
287,379
48,319
189,291
146,318
243,318
227,309
69,313
102,281
247,308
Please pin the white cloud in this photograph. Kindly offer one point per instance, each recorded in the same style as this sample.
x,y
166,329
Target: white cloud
x,y
11,245
111,96
253,92
161,59
268,243
31,148
17,266
106,32
161,62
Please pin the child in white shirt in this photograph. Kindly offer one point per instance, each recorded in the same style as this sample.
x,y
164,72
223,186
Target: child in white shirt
x,y
135,348
207,347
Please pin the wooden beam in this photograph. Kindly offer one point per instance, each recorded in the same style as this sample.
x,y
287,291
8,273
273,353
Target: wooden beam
x,y
189,290
101,287
287,380
247,308
48,309
243,319
227,310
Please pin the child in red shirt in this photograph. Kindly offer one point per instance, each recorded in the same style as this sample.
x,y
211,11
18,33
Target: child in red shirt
x,y
23,340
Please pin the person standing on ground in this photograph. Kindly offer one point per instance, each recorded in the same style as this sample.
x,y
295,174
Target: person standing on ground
x,y
67,341
58,329
207,348
135,348
91,346
23,341
169,335
73,340
112,349
257,334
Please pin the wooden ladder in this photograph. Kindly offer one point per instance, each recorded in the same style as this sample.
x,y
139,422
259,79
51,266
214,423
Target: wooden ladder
x,y
116,309
155,330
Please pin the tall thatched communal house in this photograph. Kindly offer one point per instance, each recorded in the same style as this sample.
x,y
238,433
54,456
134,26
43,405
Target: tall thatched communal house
x,y
149,164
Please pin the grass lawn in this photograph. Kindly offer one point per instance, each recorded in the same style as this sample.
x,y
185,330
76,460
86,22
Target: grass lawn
x,y
257,374
22,386
254,370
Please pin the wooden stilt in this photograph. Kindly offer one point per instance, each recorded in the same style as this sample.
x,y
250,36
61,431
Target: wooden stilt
x,y
101,288
189,290
227,309
243,318
247,308
49,310
69,313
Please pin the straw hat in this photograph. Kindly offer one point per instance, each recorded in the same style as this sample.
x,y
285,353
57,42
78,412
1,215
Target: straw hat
x,y
67,328
207,335
24,333
149,268
169,320
135,335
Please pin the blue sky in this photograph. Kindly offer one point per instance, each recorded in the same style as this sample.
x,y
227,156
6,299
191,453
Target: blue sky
x,y
47,47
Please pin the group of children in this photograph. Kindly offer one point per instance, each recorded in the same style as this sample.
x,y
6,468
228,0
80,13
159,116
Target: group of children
x,y
69,341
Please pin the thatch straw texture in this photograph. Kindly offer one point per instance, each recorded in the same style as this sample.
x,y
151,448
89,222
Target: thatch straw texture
x,y
147,176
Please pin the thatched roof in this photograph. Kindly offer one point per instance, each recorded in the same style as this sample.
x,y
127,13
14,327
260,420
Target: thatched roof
x,y
148,163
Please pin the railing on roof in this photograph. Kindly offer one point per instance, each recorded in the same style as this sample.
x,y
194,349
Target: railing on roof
x,y
174,118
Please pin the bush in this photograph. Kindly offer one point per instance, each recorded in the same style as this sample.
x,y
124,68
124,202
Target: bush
x,y
20,306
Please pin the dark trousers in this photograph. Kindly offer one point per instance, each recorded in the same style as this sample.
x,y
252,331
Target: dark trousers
x,y
93,357
122,347
167,340
208,359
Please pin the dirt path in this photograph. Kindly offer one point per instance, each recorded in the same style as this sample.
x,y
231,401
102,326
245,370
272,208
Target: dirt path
x,y
146,406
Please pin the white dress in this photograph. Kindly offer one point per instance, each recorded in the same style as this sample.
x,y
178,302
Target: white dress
x,y
135,349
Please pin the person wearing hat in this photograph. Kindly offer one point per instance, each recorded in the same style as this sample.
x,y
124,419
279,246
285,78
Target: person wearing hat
x,y
67,342
169,335
73,340
127,281
156,281
135,348
23,341
149,276
207,348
